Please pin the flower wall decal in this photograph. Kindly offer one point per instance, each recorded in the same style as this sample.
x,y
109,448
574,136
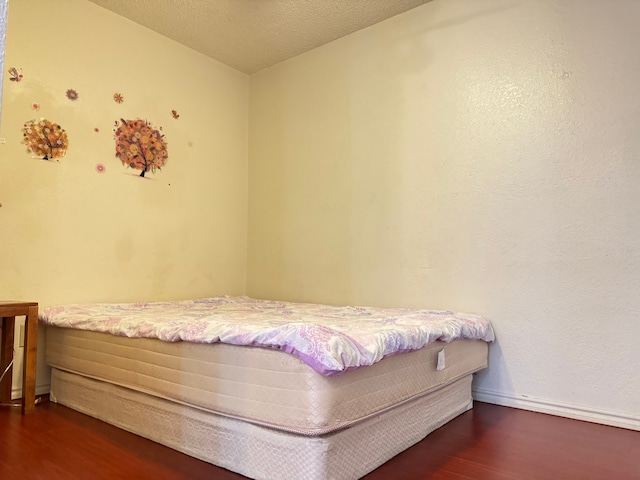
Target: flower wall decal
x,y
140,146
45,139
72,94
118,98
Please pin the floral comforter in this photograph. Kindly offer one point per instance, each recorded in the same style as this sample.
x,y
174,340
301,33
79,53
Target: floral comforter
x,y
329,339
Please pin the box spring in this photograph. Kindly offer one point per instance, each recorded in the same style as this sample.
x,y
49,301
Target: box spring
x,y
258,451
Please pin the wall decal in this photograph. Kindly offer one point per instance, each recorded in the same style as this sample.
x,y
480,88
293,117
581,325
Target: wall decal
x,y
118,98
15,74
45,139
140,146
174,114
35,106
72,94
100,168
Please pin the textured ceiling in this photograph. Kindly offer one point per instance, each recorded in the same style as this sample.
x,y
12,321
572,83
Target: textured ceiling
x,y
250,35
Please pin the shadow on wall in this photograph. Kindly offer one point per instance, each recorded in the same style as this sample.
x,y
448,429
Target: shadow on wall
x,y
388,214
497,370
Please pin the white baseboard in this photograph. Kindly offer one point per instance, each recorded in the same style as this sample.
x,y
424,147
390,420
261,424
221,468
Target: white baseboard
x,y
40,390
43,389
559,409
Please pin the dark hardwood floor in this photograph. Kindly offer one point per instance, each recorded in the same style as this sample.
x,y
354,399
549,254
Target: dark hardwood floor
x,y
488,442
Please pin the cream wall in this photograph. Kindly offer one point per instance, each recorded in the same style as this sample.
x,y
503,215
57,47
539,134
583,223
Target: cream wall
x,y
3,31
476,156
70,234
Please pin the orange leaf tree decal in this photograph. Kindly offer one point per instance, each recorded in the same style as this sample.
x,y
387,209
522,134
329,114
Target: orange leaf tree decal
x,y
140,146
45,139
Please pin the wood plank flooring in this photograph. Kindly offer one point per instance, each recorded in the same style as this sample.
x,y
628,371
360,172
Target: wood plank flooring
x,y
488,442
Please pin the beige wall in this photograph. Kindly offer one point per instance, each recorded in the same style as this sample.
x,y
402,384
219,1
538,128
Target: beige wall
x,y
70,234
476,156
3,31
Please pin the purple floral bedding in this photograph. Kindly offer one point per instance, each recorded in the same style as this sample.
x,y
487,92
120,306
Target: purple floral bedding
x,y
329,339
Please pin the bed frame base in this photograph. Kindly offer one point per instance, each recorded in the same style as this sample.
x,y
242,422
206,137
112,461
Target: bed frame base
x,y
259,452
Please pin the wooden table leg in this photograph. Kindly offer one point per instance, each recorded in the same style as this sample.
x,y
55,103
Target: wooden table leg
x,y
29,367
5,358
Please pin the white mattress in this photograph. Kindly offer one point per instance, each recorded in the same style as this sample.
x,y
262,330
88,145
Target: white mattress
x,y
260,452
263,386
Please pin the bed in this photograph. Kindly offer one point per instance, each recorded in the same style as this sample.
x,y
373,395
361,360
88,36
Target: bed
x,y
268,389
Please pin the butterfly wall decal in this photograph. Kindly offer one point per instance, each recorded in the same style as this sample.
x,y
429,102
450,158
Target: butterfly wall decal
x,y
15,74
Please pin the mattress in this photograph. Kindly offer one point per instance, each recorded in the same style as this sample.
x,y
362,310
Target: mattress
x,y
260,452
330,339
262,386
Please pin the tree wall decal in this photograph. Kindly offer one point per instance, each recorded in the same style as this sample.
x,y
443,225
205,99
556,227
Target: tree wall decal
x,y
45,139
140,146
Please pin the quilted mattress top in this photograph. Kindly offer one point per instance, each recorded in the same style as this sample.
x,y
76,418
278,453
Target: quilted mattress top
x,y
330,339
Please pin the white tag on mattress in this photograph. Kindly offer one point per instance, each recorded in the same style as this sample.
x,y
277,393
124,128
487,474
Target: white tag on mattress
x,y
440,360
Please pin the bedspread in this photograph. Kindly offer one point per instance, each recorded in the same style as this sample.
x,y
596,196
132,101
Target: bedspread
x,y
330,339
